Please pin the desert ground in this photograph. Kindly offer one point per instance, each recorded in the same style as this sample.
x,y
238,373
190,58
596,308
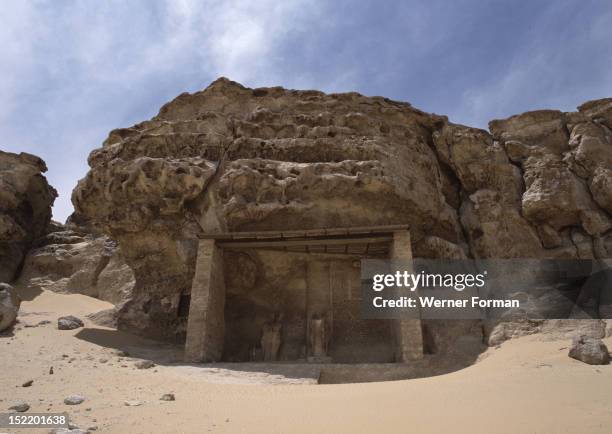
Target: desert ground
x,y
525,385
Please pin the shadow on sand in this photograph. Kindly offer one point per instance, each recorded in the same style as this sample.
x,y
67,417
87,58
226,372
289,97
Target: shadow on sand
x,y
8,333
27,294
165,354
159,352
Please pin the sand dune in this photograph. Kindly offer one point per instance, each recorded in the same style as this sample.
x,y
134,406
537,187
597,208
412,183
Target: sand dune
x,y
526,385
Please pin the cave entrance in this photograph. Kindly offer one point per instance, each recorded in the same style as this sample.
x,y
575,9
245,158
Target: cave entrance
x,y
294,296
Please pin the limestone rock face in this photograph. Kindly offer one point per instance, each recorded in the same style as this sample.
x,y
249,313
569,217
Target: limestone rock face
x,y
70,260
601,187
25,208
566,180
230,158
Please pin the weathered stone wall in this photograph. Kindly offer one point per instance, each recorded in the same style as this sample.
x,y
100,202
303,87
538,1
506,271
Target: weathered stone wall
x,y
232,158
353,339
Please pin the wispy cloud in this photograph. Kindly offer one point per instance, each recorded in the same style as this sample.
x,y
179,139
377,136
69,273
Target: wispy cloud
x,y
565,60
74,70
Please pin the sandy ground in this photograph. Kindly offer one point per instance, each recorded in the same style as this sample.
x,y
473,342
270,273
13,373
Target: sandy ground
x,y
527,385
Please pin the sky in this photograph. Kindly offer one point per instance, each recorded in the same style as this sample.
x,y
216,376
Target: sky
x,y
71,71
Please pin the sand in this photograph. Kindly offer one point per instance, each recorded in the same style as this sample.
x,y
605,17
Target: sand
x,y
526,385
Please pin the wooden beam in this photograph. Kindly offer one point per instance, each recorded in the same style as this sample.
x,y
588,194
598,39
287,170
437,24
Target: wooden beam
x,y
306,233
258,244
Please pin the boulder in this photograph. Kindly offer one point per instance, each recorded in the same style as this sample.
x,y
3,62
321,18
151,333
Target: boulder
x,y
9,306
144,364
168,397
74,400
69,323
20,407
589,350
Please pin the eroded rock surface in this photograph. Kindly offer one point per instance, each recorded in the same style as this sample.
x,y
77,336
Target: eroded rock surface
x,y
589,350
25,208
230,158
69,259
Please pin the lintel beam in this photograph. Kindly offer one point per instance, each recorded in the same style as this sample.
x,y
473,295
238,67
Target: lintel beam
x,y
258,244
306,233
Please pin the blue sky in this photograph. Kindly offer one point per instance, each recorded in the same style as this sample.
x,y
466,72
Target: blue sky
x,y
73,70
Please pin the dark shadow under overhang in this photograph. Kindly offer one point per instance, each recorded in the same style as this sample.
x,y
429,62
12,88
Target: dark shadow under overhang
x,y
363,240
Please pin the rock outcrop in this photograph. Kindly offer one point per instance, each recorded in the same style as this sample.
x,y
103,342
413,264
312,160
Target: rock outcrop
x,y
589,350
42,254
230,158
9,306
69,259
25,208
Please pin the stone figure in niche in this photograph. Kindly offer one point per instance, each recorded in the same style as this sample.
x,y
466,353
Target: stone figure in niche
x,y
256,354
318,339
271,338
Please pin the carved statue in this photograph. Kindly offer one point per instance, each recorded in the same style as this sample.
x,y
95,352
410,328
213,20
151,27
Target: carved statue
x,y
318,337
271,338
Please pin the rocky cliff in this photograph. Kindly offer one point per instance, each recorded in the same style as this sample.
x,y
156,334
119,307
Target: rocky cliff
x,y
230,158
71,259
25,208
38,253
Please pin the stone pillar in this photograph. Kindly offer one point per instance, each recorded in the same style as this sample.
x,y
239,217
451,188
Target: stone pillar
x,y
318,306
206,322
408,332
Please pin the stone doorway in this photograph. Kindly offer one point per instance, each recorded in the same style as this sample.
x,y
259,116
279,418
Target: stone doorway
x,y
305,302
